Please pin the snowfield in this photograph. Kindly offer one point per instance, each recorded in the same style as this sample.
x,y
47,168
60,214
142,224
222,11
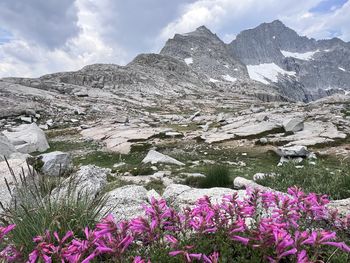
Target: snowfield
x,y
267,71
229,78
302,56
188,61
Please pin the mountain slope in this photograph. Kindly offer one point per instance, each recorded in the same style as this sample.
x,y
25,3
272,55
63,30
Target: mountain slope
x,y
276,55
205,53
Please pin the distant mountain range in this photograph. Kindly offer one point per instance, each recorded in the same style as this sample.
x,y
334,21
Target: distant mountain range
x,y
298,67
271,62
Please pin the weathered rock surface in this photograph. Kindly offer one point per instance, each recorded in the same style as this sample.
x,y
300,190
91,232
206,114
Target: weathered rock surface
x,y
157,157
126,202
89,180
56,163
16,165
243,183
181,196
6,148
120,138
27,138
293,125
343,206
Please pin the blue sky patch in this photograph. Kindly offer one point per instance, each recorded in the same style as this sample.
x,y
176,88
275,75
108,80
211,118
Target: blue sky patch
x,y
328,6
5,36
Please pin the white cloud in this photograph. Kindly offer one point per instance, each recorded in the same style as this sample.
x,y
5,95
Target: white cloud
x,y
233,14
106,36
323,25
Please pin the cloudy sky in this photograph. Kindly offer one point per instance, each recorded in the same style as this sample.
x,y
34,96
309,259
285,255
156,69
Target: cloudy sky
x,y
45,36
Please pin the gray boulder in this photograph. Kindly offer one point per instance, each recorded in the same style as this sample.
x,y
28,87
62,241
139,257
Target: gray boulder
x,y
293,125
28,138
126,202
293,151
6,148
181,196
56,163
89,180
157,157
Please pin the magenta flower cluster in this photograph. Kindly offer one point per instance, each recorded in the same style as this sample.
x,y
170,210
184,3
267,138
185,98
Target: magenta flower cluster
x,y
278,226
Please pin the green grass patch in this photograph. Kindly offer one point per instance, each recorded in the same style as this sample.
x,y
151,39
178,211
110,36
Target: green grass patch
x,y
61,132
108,159
326,177
69,146
115,183
157,185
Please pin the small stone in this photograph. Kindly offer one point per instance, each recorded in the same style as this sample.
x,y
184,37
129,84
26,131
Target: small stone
x,y
157,157
26,119
196,114
117,165
263,140
293,125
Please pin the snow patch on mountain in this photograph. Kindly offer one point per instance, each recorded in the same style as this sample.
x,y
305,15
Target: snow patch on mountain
x,y
214,80
229,78
189,61
302,56
342,69
267,71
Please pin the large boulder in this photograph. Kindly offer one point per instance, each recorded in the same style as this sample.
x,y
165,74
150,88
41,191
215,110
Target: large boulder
x,y
89,180
126,202
293,151
157,157
6,147
181,196
56,163
17,166
293,125
28,138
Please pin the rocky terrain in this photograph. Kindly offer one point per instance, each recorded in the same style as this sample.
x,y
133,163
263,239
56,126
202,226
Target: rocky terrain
x,y
268,98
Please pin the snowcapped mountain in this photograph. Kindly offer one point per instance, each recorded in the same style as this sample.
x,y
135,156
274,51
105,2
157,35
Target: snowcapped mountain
x,y
272,54
205,53
270,62
275,54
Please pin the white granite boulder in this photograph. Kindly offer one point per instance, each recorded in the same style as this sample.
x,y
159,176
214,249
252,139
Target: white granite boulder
x,y
28,138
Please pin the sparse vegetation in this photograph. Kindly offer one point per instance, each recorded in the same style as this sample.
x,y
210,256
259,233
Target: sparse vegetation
x,y
35,209
155,184
320,178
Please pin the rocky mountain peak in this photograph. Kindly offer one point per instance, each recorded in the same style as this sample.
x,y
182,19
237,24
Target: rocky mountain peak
x,y
207,54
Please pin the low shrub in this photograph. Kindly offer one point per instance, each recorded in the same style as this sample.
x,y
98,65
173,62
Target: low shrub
x,y
142,169
216,176
262,227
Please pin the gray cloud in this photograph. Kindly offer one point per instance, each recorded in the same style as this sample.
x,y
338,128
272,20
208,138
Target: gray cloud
x,y
135,24
47,22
